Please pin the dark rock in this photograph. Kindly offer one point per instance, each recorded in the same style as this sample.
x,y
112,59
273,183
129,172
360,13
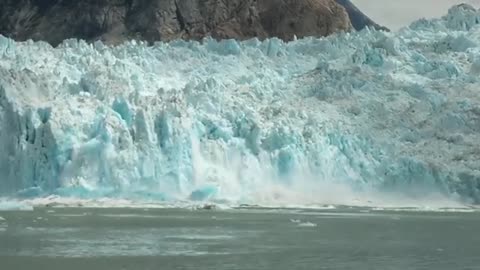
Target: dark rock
x,y
115,21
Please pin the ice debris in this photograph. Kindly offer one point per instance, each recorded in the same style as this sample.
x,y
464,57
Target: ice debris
x,y
246,121
307,224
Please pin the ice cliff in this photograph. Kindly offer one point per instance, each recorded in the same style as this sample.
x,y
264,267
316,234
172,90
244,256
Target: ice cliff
x,y
246,122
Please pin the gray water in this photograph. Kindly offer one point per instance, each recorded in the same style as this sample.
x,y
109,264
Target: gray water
x,y
237,239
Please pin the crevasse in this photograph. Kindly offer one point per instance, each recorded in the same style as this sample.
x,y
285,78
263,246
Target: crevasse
x,y
247,122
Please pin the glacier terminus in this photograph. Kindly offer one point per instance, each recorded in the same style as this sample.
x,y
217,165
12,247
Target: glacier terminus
x,y
353,118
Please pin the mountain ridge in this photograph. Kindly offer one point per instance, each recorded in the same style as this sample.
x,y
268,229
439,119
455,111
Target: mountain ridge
x,y
115,21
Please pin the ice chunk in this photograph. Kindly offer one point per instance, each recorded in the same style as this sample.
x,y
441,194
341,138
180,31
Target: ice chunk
x,y
204,193
307,224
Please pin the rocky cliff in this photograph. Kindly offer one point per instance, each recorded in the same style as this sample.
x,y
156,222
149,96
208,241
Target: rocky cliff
x,y
114,21
358,19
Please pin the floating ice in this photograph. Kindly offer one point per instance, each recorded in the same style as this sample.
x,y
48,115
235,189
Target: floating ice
x,y
307,224
314,120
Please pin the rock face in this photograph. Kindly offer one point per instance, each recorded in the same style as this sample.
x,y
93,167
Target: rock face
x,y
358,18
114,21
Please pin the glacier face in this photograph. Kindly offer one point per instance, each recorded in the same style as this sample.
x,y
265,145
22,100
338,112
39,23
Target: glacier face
x,y
314,120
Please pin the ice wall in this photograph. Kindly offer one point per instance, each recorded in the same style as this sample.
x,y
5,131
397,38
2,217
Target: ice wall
x,y
247,122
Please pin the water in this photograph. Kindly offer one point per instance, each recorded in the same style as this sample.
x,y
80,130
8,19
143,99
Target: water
x,y
257,239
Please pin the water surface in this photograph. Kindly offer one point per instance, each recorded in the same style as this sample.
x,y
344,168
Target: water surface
x,y
67,238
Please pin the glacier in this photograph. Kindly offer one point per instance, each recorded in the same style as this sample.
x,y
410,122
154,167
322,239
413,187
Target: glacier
x,y
364,115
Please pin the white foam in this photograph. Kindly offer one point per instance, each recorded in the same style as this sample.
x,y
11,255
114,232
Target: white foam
x,y
15,205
